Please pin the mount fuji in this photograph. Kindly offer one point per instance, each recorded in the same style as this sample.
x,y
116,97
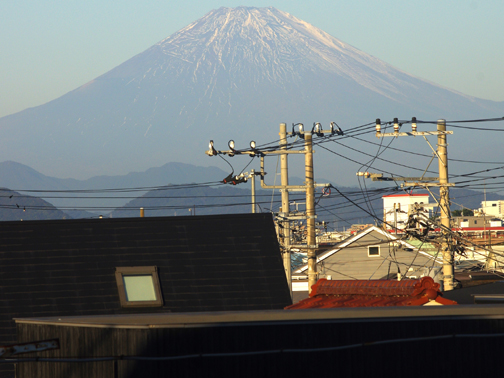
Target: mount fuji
x,y
235,73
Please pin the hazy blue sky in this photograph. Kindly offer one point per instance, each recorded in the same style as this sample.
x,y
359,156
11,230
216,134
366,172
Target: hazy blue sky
x,y
50,47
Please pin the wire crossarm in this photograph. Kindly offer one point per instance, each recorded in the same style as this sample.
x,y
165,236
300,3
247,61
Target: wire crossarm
x,y
412,133
380,177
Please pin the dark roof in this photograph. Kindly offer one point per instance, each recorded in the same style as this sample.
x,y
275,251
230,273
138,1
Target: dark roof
x,y
205,263
466,295
466,279
372,293
225,318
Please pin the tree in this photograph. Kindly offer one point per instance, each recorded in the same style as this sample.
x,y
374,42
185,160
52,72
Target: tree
x,y
463,213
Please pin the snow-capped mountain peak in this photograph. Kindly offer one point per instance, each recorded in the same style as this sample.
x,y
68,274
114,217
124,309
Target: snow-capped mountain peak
x,y
233,73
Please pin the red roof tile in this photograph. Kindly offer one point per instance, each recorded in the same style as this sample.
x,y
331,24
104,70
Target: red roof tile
x,y
372,293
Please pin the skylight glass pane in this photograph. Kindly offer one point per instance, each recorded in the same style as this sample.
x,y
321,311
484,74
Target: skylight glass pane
x,y
139,288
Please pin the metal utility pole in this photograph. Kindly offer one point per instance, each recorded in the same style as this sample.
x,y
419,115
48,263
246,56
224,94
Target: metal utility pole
x,y
444,199
285,215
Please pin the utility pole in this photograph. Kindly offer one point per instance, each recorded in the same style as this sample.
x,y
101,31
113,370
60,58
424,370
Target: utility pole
x,y
444,199
491,262
396,208
311,242
252,174
285,188
285,211
444,205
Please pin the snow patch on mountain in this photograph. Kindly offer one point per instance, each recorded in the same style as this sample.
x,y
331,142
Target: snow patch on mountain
x,y
272,46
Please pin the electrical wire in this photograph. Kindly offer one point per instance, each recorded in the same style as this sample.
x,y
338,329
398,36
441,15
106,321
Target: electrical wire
x,y
472,128
123,190
450,159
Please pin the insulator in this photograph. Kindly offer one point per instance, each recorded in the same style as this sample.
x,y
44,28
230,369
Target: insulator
x,y
413,124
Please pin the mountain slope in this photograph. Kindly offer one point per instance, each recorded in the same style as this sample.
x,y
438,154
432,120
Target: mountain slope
x,y
170,201
236,73
93,192
15,206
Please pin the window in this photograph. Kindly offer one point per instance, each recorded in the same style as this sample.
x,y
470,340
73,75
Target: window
x,y
374,250
139,286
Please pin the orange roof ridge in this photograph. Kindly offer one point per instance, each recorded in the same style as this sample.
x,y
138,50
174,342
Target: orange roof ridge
x,y
372,293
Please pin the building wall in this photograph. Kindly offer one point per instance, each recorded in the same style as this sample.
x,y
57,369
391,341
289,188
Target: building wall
x,y
468,221
492,208
405,203
394,359
353,261
476,221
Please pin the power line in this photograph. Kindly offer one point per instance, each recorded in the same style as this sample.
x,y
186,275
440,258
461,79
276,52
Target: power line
x,y
473,128
428,156
118,190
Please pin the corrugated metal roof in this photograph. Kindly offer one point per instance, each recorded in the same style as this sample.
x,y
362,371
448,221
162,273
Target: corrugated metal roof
x,y
372,293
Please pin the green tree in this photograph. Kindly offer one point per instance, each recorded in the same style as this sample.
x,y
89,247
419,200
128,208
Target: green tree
x,y
463,213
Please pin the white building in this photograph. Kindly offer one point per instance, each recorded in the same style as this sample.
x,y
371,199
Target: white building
x,y
396,207
491,209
